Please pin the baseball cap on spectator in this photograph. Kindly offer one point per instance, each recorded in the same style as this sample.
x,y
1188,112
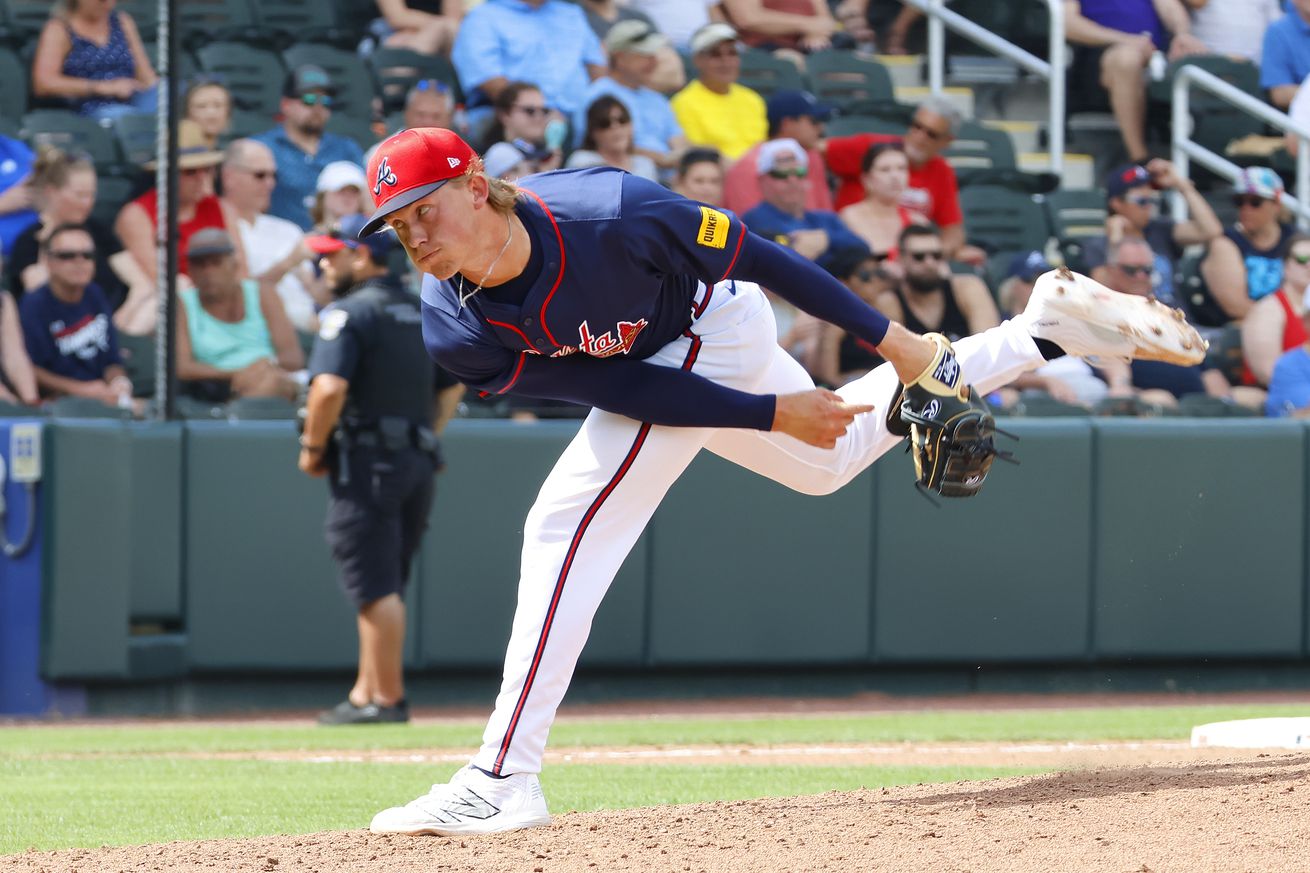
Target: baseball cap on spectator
x,y
345,234
208,242
789,103
1028,266
767,157
341,174
306,79
1121,179
410,165
711,35
501,158
1260,181
634,36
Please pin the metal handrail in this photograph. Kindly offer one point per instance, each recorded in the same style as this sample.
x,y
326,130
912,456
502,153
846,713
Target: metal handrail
x,y
1053,71
1185,150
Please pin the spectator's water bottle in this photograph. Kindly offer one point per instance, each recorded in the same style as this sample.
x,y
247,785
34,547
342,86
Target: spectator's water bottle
x,y
1158,65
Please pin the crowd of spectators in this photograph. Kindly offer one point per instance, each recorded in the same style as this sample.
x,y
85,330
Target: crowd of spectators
x,y
653,87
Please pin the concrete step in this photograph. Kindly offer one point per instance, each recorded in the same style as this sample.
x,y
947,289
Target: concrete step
x,y
906,71
961,97
1026,135
1079,170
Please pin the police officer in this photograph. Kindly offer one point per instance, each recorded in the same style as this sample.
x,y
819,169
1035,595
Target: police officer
x,y
370,424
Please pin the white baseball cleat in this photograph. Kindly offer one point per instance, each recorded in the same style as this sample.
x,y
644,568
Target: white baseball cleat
x,y
1087,319
471,803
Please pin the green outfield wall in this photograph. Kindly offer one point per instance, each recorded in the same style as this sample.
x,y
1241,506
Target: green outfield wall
x,y
190,549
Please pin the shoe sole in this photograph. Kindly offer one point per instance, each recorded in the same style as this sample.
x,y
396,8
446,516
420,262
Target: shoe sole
x,y
496,824
1156,332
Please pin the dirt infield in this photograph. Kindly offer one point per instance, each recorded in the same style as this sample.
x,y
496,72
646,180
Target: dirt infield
x,y
1239,812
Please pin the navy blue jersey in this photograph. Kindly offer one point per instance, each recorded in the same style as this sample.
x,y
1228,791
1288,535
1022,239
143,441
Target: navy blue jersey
x,y
620,261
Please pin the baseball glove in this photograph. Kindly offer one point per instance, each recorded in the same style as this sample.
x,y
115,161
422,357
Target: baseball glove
x,y
951,429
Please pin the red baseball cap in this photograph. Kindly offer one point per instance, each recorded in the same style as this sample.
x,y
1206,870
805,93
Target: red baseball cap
x,y
410,165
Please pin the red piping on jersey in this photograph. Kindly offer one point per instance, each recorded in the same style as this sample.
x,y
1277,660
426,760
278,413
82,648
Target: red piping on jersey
x,y
509,326
740,239
698,310
541,316
518,371
596,504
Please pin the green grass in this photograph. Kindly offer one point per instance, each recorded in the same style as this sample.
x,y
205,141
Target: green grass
x,y
91,785
58,804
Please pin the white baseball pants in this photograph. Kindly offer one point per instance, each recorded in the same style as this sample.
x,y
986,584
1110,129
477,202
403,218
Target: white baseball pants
x,y
605,487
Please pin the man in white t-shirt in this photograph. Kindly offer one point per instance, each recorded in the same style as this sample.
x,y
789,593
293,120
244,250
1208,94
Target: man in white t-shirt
x,y
274,247
679,19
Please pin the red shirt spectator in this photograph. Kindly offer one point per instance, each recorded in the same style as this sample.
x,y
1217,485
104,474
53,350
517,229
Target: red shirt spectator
x,y
209,213
792,115
933,191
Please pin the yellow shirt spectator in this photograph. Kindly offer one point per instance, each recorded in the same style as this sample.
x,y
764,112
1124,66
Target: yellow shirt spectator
x,y
731,122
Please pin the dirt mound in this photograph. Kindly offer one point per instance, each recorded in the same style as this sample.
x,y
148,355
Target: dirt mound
x,y
1235,814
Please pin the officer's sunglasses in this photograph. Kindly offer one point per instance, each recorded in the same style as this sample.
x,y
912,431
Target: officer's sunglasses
x,y
797,172
312,99
1250,200
81,254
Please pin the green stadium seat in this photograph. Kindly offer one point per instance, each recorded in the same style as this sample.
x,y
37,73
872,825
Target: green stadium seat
x,y
138,354
186,62
71,132
1039,404
220,20
349,74
13,96
85,407
1004,219
26,17
17,410
358,129
978,150
396,71
849,125
304,21
1205,406
254,75
1075,217
191,409
145,13
843,79
245,123
764,73
137,137
112,191
261,409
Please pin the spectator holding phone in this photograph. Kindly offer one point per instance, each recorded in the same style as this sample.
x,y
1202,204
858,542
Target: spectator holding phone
x,y
524,120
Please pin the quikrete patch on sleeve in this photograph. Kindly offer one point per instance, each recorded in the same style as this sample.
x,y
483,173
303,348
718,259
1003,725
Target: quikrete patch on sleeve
x,y
713,228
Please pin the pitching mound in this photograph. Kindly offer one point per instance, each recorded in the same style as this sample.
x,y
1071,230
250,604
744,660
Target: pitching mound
x,y
1233,814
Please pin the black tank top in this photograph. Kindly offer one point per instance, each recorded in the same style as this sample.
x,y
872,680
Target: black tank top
x,y
954,325
855,354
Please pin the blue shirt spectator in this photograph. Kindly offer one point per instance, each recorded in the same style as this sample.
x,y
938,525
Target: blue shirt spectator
x,y
633,47
16,212
771,222
1128,16
1289,387
1285,58
546,42
301,147
72,340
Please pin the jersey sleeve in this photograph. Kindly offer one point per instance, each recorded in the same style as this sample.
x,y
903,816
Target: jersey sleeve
x,y
673,235
342,338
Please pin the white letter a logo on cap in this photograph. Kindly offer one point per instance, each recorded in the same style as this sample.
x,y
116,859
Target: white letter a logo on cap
x,y
454,162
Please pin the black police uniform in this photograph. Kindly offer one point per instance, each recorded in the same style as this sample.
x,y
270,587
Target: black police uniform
x,y
383,454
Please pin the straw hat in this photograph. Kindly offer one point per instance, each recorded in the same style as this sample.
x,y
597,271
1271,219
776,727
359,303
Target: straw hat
x,y
193,150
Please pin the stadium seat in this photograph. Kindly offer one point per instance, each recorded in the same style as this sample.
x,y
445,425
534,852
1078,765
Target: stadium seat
x,y
349,74
138,353
186,62
1003,219
85,407
396,71
1202,308
220,21
1038,404
843,79
246,124
305,21
1205,406
146,15
26,18
191,409
254,75
261,409
764,73
15,410
112,191
849,125
137,137
356,128
71,132
1075,216
13,96
977,150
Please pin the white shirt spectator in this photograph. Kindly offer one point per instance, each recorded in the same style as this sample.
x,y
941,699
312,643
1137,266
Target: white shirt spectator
x,y
676,19
267,241
1300,108
1235,27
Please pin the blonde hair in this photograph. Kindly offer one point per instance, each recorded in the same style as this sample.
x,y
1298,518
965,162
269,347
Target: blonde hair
x,y
502,195
53,166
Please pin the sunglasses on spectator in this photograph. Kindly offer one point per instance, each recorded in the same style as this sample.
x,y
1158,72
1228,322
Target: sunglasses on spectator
x,y
316,100
532,111
1251,200
261,175
1144,200
612,121
83,254
934,135
797,172
1301,259
1135,269
935,255
728,51
432,85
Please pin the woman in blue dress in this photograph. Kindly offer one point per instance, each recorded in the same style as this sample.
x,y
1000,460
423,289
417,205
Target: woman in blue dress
x,y
91,55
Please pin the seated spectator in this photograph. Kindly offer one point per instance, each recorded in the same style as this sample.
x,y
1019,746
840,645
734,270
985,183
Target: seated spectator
x,y
1275,323
233,336
65,188
1067,379
301,146
879,218
714,110
19,383
338,192
1246,263
792,115
1128,269
1286,54
429,103
68,328
843,356
197,206
925,296
424,26
1133,194
209,104
1234,28
700,176
16,202
633,47
801,25
933,191
608,141
274,247
91,55
523,120
504,161
1289,386
679,19
667,72
546,42
602,15
783,167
